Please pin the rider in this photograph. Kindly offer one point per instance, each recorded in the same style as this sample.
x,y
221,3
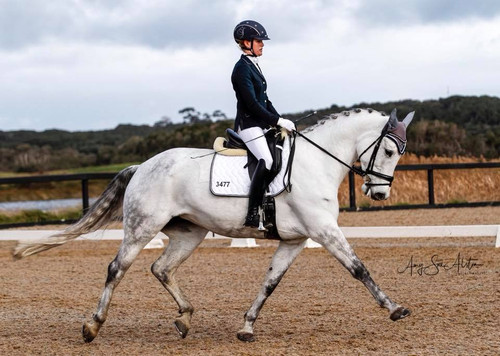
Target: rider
x,y
255,112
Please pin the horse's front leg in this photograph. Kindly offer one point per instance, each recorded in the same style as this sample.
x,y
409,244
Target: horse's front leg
x,y
281,261
335,242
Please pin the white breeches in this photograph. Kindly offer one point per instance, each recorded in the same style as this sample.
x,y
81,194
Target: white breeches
x,y
257,144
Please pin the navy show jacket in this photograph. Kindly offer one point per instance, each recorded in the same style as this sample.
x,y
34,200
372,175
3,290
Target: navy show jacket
x,y
253,107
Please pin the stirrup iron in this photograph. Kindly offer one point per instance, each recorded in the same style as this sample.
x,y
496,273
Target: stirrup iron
x,y
261,222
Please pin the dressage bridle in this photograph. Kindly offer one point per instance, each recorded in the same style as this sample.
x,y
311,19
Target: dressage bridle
x,y
359,170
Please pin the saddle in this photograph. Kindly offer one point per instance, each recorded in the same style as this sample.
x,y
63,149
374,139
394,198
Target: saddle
x,y
233,166
233,145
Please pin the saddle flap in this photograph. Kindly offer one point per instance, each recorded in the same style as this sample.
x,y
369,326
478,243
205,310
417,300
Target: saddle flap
x,y
234,140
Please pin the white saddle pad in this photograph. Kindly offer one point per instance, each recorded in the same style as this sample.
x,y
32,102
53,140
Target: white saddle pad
x,y
229,177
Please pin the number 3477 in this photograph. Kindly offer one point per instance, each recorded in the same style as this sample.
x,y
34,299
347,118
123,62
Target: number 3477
x,y
222,184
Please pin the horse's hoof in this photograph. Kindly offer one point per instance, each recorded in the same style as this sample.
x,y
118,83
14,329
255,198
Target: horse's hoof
x,y
245,336
181,328
88,332
400,313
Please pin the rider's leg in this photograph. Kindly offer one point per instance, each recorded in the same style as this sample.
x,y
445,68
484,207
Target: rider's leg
x,y
257,144
257,190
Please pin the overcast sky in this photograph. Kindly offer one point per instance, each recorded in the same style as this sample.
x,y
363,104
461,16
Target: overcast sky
x,y
91,65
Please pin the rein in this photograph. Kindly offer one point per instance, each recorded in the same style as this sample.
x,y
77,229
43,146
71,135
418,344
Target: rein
x,y
356,170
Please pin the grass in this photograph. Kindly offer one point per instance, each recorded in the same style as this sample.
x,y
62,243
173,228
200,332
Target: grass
x,y
402,204
52,190
39,216
456,201
112,168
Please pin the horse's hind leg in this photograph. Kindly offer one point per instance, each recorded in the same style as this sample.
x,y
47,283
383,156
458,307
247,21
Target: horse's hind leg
x,y
184,237
281,261
131,246
336,243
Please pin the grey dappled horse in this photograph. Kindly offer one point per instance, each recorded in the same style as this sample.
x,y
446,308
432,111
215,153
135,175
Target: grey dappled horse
x,y
170,193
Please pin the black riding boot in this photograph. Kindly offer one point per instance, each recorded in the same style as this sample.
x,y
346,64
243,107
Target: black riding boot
x,y
257,190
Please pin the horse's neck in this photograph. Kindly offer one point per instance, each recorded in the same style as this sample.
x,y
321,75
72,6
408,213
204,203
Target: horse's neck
x,y
342,137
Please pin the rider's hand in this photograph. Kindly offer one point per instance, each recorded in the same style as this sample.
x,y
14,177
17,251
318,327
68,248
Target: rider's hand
x,y
287,124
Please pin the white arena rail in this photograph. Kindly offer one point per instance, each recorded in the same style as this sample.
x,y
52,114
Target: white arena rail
x,y
419,231
349,232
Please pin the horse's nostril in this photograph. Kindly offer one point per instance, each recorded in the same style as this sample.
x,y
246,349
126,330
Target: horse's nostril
x,y
379,196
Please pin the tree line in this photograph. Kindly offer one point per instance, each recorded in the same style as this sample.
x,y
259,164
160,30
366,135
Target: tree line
x,y
458,125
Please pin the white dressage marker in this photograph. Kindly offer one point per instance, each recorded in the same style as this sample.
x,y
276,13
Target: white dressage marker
x,y
156,242
243,243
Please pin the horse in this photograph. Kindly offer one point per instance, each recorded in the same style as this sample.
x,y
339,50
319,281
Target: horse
x,y
170,193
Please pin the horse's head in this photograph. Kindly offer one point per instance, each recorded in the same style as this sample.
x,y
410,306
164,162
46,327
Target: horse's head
x,y
379,160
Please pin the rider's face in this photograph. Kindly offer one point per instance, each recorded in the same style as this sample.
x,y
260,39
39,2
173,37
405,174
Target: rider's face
x,y
258,45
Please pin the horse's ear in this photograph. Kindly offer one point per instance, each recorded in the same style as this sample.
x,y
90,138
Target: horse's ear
x,y
406,121
393,120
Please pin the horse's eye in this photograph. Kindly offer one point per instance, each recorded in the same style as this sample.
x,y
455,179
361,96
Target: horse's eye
x,y
389,153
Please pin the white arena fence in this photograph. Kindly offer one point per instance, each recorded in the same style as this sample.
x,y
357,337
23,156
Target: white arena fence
x,y
349,232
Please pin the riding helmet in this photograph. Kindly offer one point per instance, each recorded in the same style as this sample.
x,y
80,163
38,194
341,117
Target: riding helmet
x,y
249,30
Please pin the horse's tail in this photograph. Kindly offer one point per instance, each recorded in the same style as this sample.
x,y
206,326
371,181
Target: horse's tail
x,y
107,208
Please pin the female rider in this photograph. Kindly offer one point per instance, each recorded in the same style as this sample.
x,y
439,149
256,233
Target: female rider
x,y
255,112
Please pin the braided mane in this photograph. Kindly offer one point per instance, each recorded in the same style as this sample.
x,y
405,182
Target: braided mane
x,y
345,113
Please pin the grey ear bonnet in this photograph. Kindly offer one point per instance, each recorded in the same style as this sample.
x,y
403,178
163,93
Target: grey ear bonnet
x,y
397,130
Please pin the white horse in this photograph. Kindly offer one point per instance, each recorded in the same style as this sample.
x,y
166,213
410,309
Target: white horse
x,y
170,193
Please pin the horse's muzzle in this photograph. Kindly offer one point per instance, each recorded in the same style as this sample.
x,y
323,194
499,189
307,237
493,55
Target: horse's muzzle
x,y
379,196
374,193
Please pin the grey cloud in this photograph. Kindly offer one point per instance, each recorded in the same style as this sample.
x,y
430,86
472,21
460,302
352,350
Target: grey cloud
x,y
182,25
164,23
23,22
389,12
156,24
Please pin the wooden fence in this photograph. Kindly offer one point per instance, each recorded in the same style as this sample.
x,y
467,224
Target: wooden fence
x,y
84,178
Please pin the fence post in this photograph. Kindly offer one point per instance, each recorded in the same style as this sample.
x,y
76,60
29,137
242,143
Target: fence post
x,y
352,191
430,184
85,195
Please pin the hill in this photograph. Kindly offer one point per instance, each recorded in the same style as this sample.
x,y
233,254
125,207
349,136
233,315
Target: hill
x,y
457,125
